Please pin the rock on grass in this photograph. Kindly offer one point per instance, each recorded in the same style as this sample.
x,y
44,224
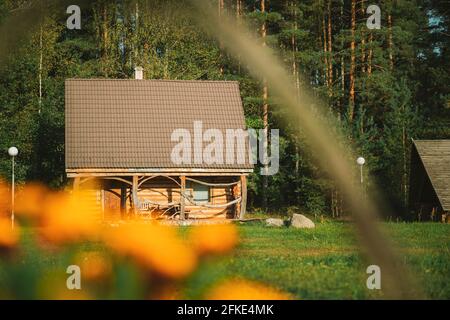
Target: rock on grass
x,y
300,221
274,222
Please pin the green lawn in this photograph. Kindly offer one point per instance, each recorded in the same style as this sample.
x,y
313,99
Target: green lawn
x,y
324,263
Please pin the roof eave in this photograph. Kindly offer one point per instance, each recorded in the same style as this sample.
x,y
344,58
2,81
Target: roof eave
x,y
75,172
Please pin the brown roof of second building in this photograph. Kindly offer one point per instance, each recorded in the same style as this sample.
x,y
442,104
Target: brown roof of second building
x,y
127,124
435,156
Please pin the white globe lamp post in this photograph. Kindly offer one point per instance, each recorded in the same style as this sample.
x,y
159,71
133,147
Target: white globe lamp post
x,y
361,161
13,152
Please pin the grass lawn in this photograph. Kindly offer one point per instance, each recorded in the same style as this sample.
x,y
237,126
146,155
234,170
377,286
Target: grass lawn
x,y
322,263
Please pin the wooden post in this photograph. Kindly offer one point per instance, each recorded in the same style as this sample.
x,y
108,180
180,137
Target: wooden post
x,y
182,197
135,195
236,191
76,183
102,199
123,201
243,196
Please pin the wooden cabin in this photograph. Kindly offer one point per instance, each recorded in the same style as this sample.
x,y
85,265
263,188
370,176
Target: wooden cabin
x,y
118,145
429,194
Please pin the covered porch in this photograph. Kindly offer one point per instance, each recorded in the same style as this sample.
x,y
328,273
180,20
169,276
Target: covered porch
x,y
177,195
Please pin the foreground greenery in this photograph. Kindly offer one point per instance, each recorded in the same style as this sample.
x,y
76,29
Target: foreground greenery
x,y
323,263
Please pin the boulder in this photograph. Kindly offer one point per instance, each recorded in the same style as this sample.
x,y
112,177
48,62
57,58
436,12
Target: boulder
x,y
300,221
274,222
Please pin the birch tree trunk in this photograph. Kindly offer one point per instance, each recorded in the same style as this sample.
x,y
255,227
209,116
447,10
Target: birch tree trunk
x,y
265,111
296,77
238,8
136,35
220,5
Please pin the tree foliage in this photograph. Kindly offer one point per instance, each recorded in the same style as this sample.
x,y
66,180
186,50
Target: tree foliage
x,y
400,75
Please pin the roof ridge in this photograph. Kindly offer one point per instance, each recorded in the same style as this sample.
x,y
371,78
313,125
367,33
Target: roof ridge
x,y
152,80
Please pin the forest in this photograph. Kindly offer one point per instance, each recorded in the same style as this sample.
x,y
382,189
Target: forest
x,y
383,86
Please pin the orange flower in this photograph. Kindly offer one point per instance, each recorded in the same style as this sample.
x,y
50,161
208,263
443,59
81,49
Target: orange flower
x,y
155,247
94,265
69,218
245,290
9,237
218,239
5,199
30,200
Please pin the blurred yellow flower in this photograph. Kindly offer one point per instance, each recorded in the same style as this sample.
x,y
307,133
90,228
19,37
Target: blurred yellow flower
x,y
5,199
214,239
95,266
68,218
52,286
155,247
245,290
9,237
30,200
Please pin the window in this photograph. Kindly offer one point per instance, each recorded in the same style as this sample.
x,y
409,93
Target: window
x,y
199,192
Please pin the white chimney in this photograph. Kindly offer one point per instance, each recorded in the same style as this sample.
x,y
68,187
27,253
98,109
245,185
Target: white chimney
x,y
139,73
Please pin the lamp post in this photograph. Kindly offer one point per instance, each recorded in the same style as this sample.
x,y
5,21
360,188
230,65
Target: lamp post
x,y
13,152
361,161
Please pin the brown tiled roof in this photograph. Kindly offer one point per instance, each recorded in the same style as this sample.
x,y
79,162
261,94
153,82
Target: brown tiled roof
x,y
435,156
127,124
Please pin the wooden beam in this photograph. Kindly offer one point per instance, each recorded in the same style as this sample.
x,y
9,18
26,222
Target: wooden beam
x,y
145,179
213,184
135,194
89,178
155,170
243,196
182,199
149,174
